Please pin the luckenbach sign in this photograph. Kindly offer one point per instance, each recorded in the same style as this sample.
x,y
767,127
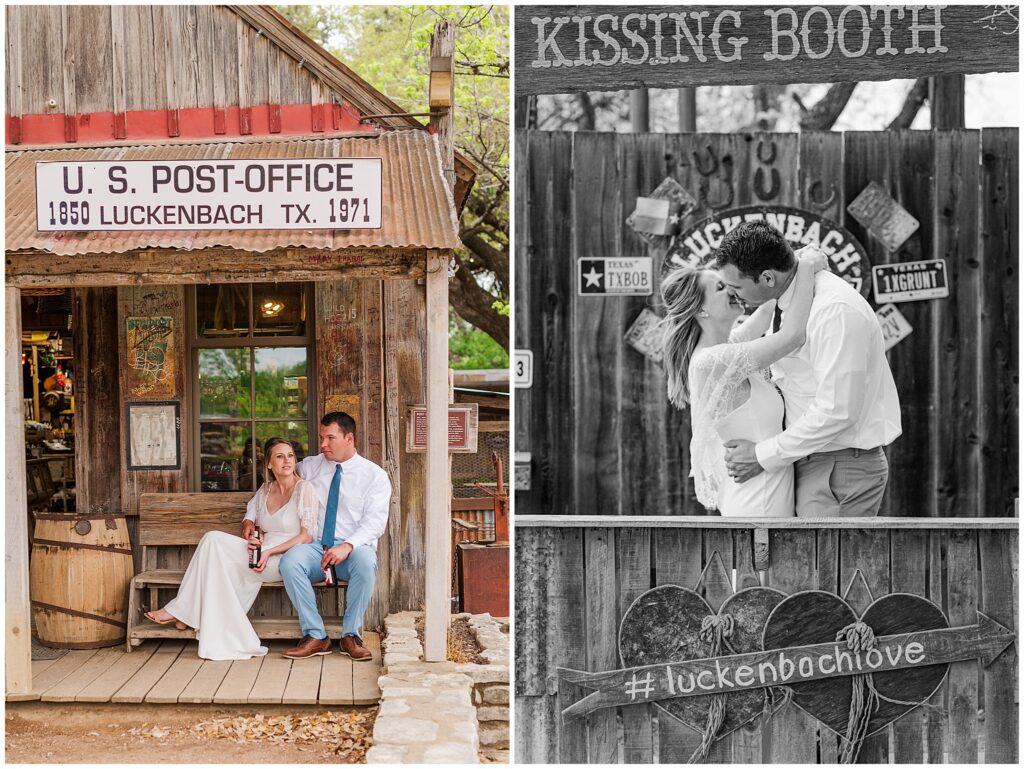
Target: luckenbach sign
x,y
560,49
285,194
800,228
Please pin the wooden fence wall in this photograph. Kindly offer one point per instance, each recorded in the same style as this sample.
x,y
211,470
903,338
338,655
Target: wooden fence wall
x,y
603,437
577,575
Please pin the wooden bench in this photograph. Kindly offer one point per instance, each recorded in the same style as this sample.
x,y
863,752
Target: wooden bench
x,y
176,521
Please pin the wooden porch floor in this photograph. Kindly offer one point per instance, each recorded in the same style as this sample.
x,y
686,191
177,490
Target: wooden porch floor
x,y
171,672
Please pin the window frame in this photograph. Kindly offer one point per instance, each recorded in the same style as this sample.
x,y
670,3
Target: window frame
x,y
195,343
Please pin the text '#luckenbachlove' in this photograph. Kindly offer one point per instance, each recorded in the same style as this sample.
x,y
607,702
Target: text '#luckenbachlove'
x,y
783,668
667,37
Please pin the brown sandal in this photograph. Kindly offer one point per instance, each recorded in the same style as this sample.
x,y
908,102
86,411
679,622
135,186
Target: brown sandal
x,y
151,616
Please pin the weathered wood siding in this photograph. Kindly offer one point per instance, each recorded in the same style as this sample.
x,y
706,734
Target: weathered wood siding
x,y
603,437
118,59
575,583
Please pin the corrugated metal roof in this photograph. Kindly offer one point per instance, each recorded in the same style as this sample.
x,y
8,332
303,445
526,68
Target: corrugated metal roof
x,y
417,205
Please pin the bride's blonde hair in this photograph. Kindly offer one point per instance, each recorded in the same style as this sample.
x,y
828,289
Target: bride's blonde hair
x,y
268,474
683,296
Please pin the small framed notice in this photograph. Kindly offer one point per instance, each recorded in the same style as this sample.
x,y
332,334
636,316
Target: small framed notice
x,y
463,426
624,276
154,435
895,327
524,369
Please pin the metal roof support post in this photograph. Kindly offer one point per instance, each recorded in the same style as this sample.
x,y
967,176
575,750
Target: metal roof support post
x,y
19,616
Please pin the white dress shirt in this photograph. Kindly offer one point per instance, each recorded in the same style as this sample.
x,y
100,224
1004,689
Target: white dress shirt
x,y
838,389
362,504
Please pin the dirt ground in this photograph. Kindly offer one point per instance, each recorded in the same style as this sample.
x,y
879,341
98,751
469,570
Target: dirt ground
x,y
89,733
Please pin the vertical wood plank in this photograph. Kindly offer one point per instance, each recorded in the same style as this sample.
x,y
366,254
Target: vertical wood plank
x,y
792,567
534,559
602,634
98,413
18,630
642,404
998,322
89,28
936,718
821,174
568,633
955,346
596,329
633,564
828,579
909,557
868,551
962,587
527,317
118,71
719,541
678,560
70,91
999,575
404,313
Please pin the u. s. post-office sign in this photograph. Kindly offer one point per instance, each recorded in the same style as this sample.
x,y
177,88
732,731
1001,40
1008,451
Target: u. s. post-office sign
x,y
273,194
622,275
910,281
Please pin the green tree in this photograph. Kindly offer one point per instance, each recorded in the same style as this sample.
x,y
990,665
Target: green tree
x,y
389,47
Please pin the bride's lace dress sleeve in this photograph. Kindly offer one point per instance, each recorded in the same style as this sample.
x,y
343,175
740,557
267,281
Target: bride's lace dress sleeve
x,y
307,508
261,504
716,376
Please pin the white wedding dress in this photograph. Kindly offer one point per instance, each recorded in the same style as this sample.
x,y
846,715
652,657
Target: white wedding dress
x,y
219,588
732,399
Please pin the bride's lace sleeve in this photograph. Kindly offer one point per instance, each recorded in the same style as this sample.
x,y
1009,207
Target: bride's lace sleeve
x,y
716,374
307,510
261,504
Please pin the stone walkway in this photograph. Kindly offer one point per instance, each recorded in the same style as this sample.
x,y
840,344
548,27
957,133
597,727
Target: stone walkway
x,y
429,712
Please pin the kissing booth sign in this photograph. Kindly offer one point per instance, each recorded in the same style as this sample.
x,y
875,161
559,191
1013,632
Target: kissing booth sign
x,y
855,663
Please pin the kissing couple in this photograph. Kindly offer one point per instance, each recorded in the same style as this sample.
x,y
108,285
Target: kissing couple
x,y
791,408
327,511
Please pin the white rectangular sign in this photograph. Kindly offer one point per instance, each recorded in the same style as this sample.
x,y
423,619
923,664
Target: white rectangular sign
x,y
910,281
895,327
277,194
524,369
624,275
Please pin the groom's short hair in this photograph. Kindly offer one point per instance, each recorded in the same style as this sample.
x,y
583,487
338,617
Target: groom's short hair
x,y
754,247
344,422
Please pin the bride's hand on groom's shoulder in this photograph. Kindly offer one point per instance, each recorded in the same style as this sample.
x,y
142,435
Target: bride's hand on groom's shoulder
x,y
813,256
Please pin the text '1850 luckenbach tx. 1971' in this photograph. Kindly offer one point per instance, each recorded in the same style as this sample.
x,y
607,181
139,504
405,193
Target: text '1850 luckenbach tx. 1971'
x,y
292,194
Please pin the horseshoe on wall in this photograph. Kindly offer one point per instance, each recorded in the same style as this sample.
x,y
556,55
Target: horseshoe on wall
x,y
699,163
812,196
773,150
773,191
730,194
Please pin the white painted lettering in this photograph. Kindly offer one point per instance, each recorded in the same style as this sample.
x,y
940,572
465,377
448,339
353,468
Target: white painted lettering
x,y
887,12
916,28
657,38
744,675
608,40
696,42
701,675
865,32
829,31
581,40
635,37
778,33
546,43
916,649
737,43
787,672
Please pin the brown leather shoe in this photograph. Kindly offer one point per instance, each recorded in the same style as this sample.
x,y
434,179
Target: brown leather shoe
x,y
352,646
309,647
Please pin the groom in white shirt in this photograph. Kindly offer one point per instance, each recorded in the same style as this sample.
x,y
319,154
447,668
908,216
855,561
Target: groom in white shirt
x,y
354,496
841,400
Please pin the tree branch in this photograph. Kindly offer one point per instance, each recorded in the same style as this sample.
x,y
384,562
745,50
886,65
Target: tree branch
x,y
916,98
823,115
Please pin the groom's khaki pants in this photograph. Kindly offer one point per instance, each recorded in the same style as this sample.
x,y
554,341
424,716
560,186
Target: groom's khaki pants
x,y
848,483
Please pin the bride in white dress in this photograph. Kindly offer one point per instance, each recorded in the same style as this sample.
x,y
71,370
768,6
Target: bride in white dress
x,y
219,588
721,372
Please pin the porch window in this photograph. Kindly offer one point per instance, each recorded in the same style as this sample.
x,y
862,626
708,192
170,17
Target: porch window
x,y
251,354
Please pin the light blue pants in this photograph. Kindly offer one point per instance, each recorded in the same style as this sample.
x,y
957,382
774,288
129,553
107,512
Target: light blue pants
x,y
300,568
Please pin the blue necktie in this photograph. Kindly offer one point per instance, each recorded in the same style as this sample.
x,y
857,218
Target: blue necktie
x,y
331,514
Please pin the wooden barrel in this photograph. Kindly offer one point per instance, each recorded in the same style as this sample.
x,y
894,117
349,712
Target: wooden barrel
x,y
79,577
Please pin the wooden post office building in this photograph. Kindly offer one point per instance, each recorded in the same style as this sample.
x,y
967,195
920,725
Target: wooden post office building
x,y
216,232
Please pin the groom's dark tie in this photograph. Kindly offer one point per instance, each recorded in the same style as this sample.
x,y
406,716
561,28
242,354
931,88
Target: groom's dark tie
x,y
776,319
331,514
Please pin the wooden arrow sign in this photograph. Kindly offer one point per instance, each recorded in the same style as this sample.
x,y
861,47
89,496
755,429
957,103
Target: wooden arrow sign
x,y
738,672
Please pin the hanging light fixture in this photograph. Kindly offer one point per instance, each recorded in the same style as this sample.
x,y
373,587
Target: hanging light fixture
x,y
271,308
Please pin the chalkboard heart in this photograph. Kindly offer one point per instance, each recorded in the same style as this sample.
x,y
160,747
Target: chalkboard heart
x,y
815,616
664,625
